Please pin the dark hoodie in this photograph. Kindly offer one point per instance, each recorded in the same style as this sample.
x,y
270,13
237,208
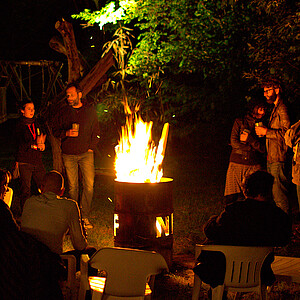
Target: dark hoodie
x,y
27,130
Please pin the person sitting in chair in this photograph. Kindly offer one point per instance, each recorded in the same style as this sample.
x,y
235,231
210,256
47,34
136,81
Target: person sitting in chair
x,y
29,270
49,217
255,221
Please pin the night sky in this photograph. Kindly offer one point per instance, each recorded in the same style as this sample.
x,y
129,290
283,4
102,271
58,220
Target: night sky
x,y
27,27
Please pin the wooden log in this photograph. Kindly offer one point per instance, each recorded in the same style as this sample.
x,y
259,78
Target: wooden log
x,y
98,72
74,67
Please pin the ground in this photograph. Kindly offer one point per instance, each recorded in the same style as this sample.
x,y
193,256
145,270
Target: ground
x,y
198,166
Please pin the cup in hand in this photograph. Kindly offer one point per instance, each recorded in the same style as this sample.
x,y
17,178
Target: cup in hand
x,y
75,126
259,124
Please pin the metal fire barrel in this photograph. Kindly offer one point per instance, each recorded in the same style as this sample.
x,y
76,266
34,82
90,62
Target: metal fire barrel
x,y
143,216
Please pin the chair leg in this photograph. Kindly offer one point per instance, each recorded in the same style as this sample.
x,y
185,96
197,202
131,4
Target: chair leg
x,y
196,288
217,292
263,292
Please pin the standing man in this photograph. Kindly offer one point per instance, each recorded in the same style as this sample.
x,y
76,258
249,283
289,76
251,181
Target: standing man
x,y
77,126
279,123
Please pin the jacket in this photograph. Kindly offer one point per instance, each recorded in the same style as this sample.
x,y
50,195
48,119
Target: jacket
x,y
292,139
279,123
88,136
251,151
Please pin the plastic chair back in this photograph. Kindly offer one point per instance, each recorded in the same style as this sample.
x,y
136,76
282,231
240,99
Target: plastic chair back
x,y
127,269
243,269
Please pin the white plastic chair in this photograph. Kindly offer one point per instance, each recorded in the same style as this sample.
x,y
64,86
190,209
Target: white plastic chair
x,y
243,270
127,273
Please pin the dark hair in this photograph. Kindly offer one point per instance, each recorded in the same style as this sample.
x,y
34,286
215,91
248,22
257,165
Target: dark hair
x,y
5,177
23,103
258,183
272,82
258,102
53,182
75,85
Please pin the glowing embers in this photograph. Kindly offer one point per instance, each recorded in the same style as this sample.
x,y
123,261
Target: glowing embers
x,y
163,225
98,283
138,159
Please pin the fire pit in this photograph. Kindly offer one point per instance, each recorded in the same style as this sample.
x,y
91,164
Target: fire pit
x,y
143,216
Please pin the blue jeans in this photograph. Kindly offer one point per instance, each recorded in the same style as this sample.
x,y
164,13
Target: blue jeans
x,y
280,186
85,161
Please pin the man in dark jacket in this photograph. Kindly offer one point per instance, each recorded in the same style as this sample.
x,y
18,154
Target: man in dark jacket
x,y
279,123
256,221
77,126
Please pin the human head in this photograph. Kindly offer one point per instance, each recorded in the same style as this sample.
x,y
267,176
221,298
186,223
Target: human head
x,y
74,94
5,178
27,109
257,107
53,182
258,185
272,90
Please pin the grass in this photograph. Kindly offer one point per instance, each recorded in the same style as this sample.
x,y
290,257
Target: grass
x,y
198,166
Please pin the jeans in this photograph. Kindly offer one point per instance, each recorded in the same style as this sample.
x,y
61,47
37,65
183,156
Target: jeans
x,y
85,161
27,172
280,186
298,195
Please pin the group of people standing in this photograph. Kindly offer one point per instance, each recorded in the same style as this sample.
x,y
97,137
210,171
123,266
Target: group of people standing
x,y
76,125
251,138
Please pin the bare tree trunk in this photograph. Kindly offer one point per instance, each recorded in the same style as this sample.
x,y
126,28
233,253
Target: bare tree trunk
x,y
74,66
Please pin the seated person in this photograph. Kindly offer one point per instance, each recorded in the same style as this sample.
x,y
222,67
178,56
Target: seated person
x,y
49,217
255,221
29,270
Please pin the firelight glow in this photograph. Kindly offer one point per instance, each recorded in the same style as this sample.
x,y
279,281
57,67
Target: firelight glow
x,y
137,158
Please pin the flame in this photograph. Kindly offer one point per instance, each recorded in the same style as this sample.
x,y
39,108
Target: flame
x,y
137,158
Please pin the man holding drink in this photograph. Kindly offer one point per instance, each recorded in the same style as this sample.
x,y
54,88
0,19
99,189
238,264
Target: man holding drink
x,y
77,126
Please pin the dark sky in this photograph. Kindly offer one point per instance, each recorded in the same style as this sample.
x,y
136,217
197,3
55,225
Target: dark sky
x,y
27,26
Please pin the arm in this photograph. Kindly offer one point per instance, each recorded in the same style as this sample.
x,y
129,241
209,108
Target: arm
x,y
235,136
278,133
76,231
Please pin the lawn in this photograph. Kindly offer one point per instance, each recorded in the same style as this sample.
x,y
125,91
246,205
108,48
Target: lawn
x,y
198,164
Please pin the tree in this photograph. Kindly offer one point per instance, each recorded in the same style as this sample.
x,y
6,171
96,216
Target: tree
x,y
193,57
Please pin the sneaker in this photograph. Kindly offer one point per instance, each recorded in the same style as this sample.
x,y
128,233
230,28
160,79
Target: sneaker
x,y
87,224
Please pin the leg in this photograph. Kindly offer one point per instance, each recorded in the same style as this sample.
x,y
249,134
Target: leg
x,y
86,164
280,186
71,165
298,195
25,178
38,175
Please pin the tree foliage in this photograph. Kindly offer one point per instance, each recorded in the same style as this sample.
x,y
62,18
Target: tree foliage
x,y
196,59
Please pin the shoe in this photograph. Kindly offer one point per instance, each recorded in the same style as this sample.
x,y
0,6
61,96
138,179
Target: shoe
x,y
87,224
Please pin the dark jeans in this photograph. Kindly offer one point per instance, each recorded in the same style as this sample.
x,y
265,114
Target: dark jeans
x,y
27,172
280,186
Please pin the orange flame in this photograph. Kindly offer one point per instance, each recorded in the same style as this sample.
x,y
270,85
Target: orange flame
x,y
137,157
